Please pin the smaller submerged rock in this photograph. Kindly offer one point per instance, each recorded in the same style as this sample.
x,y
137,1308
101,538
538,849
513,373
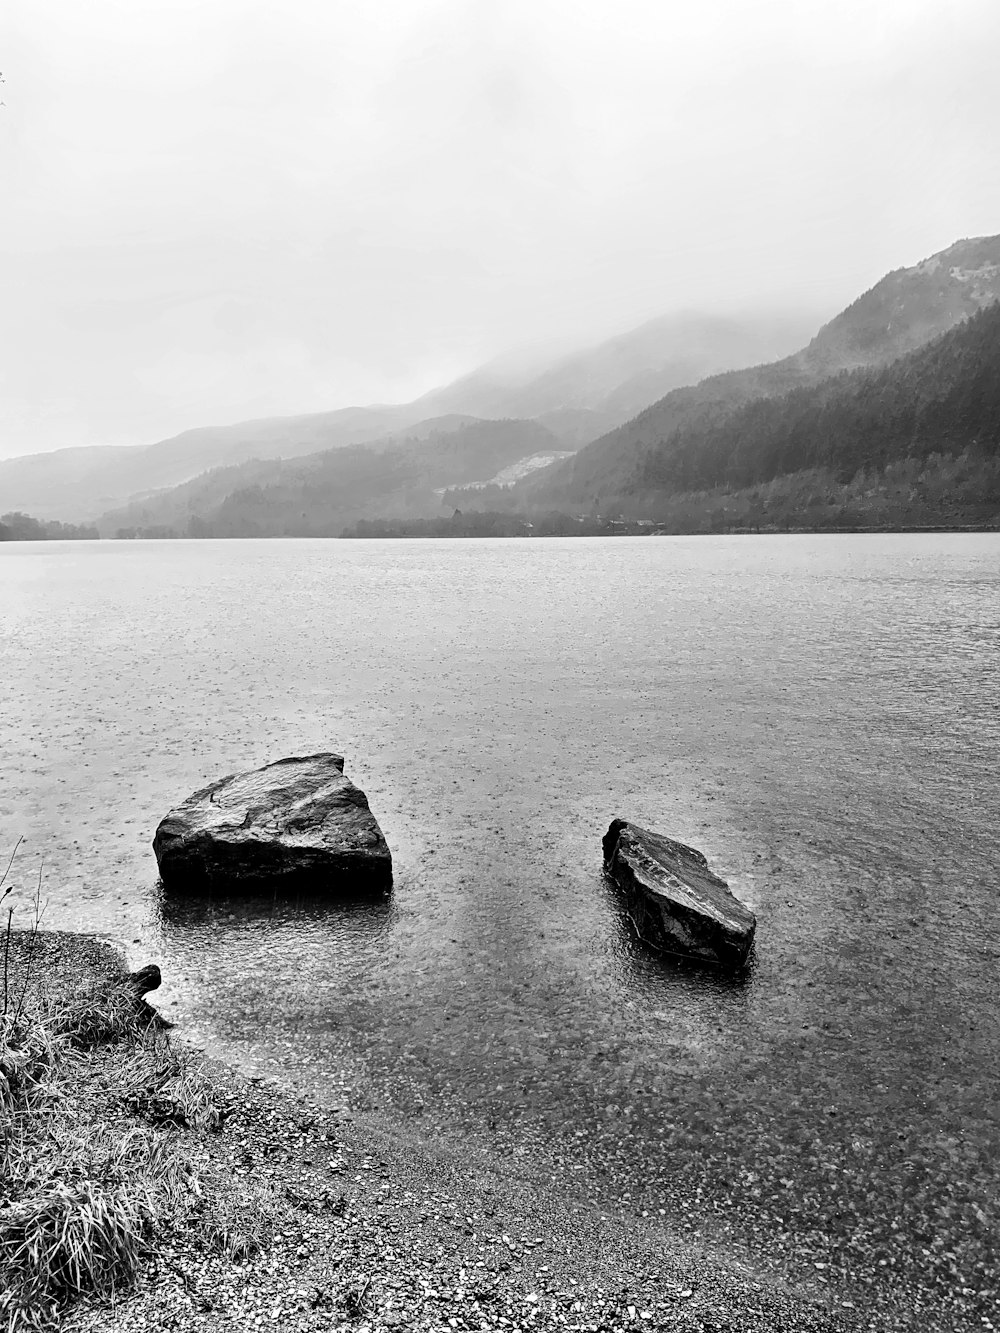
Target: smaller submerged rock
x,y
295,821
678,904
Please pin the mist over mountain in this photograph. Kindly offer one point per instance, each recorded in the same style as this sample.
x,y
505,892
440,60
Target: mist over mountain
x,y
904,310
914,443
576,397
912,440
615,379
319,473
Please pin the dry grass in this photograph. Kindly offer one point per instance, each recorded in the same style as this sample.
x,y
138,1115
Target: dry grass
x,y
240,1220
87,1212
70,1239
165,1089
187,1100
83,1207
84,1194
108,1012
28,1049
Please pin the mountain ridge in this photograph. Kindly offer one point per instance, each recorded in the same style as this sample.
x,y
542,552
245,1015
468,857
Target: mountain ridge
x,y
904,309
915,442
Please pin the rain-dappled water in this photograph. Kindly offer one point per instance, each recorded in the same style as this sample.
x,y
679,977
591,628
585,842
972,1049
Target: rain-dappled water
x,y
820,715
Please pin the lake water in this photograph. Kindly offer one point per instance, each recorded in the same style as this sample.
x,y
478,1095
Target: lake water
x,y
820,715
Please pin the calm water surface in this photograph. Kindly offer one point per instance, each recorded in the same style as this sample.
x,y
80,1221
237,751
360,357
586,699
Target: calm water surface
x,y
820,715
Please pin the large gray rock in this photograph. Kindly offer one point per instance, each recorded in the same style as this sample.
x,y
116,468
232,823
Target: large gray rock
x,y
298,820
675,901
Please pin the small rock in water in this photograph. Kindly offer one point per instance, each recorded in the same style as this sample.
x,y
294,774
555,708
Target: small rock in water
x,y
676,901
298,820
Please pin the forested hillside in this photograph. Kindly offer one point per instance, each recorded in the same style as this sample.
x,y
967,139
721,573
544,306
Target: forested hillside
x,y
82,483
911,444
941,399
818,410
320,495
905,310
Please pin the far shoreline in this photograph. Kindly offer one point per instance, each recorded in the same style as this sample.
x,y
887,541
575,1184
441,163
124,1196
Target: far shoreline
x,y
915,530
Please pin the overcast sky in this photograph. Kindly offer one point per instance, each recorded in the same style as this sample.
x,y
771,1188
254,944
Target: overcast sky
x,y
218,209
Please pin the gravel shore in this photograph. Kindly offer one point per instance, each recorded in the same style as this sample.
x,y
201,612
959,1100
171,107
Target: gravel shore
x,y
337,1220
358,1222
372,1229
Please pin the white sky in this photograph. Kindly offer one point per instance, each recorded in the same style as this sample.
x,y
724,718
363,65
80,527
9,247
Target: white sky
x,y
216,209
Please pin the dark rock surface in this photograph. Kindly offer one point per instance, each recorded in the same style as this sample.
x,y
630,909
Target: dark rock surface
x,y
146,979
676,902
298,820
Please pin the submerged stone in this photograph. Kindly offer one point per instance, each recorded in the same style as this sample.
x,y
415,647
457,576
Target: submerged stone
x,y
295,821
676,902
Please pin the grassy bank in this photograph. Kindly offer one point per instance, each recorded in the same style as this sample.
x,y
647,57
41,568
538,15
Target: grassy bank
x,y
96,1108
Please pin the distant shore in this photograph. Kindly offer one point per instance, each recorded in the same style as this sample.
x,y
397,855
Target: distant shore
x,y
624,529
627,530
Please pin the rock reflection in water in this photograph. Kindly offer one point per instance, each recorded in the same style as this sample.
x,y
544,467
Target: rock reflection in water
x,y
707,1004
288,954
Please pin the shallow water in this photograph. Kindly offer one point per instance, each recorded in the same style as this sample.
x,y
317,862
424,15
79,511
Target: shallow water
x,y
820,715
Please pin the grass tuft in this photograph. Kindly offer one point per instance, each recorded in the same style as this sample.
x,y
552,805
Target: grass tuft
x,y
85,1195
240,1221
165,1090
109,1012
87,1214
27,1055
69,1239
189,1101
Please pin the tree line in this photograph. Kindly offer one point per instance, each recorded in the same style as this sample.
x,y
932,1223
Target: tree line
x,y
943,398
18,527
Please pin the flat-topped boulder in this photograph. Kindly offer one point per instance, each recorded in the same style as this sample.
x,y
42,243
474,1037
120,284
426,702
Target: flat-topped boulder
x,y
295,821
677,904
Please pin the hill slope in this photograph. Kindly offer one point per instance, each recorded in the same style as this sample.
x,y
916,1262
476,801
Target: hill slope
x,y
912,444
943,398
322,494
901,312
83,482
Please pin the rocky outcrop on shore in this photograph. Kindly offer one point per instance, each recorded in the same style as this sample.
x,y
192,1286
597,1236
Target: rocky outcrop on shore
x,y
676,902
299,820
